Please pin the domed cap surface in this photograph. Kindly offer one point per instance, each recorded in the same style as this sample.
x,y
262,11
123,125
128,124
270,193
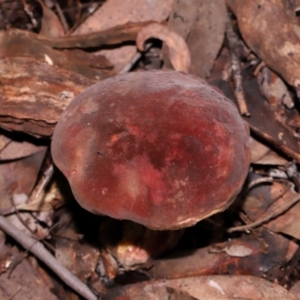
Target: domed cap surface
x,y
161,148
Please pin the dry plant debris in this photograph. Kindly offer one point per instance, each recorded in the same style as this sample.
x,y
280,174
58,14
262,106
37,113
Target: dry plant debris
x,y
51,51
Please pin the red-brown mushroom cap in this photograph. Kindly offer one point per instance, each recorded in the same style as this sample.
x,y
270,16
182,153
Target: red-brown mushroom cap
x,y
161,148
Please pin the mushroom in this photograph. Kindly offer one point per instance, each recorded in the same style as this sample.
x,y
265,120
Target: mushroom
x,y
161,148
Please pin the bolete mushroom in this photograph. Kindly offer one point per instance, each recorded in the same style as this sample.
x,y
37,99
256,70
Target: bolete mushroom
x,y
161,148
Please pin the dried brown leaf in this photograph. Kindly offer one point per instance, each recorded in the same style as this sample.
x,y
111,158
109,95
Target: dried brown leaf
x,y
261,25
263,155
19,149
275,131
24,283
206,37
288,222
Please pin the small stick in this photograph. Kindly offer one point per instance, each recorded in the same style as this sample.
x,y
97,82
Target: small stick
x,y
233,47
61,16
47,176
38,249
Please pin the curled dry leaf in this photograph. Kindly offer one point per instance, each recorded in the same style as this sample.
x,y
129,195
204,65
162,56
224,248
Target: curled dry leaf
x,y
119,12
178,50
181,20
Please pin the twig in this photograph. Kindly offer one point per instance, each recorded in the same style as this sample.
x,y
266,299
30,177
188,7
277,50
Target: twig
x,y
61,17
111,36
277,212
40,186
42,253
79,7
37,240
233,47
254,232
47,176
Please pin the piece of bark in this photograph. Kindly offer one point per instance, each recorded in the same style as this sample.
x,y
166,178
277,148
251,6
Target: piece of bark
x,y
34,94
18,43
